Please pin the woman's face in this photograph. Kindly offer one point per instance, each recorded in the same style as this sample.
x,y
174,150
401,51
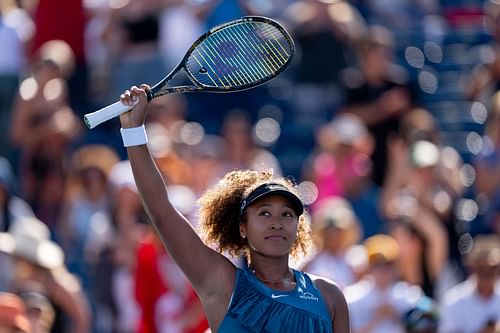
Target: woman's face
x,y
271,226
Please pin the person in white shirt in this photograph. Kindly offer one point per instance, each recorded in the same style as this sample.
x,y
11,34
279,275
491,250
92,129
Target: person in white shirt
x,y
337,229
379,301
473,306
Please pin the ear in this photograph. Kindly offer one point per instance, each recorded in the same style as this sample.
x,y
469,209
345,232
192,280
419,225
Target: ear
x,y
243,230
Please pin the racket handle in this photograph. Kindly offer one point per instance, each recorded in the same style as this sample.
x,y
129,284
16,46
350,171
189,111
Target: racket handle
x,y
109,112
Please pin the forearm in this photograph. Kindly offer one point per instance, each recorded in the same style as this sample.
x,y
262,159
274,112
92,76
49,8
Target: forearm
x,y
67,294
165,218
434,233
176,233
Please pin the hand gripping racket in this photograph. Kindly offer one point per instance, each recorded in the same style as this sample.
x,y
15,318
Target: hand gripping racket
x,y
234,56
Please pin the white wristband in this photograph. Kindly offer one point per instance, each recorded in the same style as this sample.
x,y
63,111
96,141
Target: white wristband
x,y
134,136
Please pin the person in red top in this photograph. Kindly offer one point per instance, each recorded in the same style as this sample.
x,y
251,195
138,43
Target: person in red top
x,y
66,21
168,302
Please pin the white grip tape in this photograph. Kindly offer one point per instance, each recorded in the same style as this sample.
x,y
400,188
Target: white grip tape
x,y
134,136
109,112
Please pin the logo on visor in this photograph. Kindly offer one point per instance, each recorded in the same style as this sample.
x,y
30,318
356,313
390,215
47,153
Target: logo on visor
x,y
274,187
243,205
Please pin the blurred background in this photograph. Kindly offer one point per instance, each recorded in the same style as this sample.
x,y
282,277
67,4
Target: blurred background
x,y
388,119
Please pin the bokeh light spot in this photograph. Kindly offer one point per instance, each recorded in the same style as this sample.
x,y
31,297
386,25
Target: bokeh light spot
x,y
414,56
433,52
28,89
267,131
308,192
428,82
192,133
467,175
474,143
478,112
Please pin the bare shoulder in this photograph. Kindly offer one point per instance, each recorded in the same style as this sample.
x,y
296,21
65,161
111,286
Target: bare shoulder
x,y
335,301
329,289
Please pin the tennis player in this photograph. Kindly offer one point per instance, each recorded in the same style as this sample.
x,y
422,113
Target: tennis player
x,y
247,213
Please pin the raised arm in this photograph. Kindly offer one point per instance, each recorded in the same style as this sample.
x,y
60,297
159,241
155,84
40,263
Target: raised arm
x,y
209,272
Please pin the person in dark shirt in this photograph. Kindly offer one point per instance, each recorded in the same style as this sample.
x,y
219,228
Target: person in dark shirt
x,y
378,91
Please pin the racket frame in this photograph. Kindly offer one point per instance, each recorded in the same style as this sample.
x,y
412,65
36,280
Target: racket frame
x,y
161,88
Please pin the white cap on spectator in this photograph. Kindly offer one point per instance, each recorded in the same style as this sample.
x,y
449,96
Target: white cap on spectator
x,y
29,239
348,128
121,176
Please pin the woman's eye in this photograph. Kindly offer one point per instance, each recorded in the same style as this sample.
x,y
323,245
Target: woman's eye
x,y
288,214
265,213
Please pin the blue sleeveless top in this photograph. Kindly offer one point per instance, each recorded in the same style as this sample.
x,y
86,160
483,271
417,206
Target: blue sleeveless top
x,y
256,308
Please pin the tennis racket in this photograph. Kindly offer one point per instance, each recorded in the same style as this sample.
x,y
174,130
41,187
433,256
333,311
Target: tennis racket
x,y
234,56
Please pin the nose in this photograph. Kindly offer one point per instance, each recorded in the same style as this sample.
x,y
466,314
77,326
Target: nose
x,y
275,226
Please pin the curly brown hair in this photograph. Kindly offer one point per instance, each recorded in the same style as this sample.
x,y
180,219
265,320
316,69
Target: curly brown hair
x,y
220,212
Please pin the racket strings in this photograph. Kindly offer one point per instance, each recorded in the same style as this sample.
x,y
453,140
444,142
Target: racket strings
x,y
229,57
244,59
241,54
220,63
210,54
256,46
233,57
261,66
266,40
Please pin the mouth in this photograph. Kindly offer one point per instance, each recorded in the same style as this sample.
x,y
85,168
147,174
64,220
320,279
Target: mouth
x,y
275,237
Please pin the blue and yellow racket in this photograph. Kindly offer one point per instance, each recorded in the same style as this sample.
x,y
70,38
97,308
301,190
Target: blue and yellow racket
x,y
234,56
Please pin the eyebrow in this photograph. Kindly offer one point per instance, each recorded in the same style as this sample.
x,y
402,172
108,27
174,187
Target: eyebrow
x,y
269,205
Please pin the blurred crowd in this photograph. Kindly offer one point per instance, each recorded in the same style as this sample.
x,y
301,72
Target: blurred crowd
x,y
388,120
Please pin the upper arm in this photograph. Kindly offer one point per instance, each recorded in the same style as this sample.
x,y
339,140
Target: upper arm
x,y
208,271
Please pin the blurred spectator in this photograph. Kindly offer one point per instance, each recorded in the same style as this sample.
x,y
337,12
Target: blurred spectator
x,y
12,208
378,302
11,66
42,110
40,312
418,229
38,260
167,300
17,17
116,308
487,185
81,232
207,162
399,15
473,306
13,318
170,111
423,191
241,151
170,153
64,21
174,42
336,230
132,34
340,165
378,91
324,32
484,79
424,318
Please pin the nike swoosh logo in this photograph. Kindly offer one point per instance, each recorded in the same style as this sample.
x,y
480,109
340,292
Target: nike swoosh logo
x,y
277,296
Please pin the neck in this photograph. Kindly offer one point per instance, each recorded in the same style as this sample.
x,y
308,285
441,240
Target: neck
x,y
286,277
485,291
271,271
